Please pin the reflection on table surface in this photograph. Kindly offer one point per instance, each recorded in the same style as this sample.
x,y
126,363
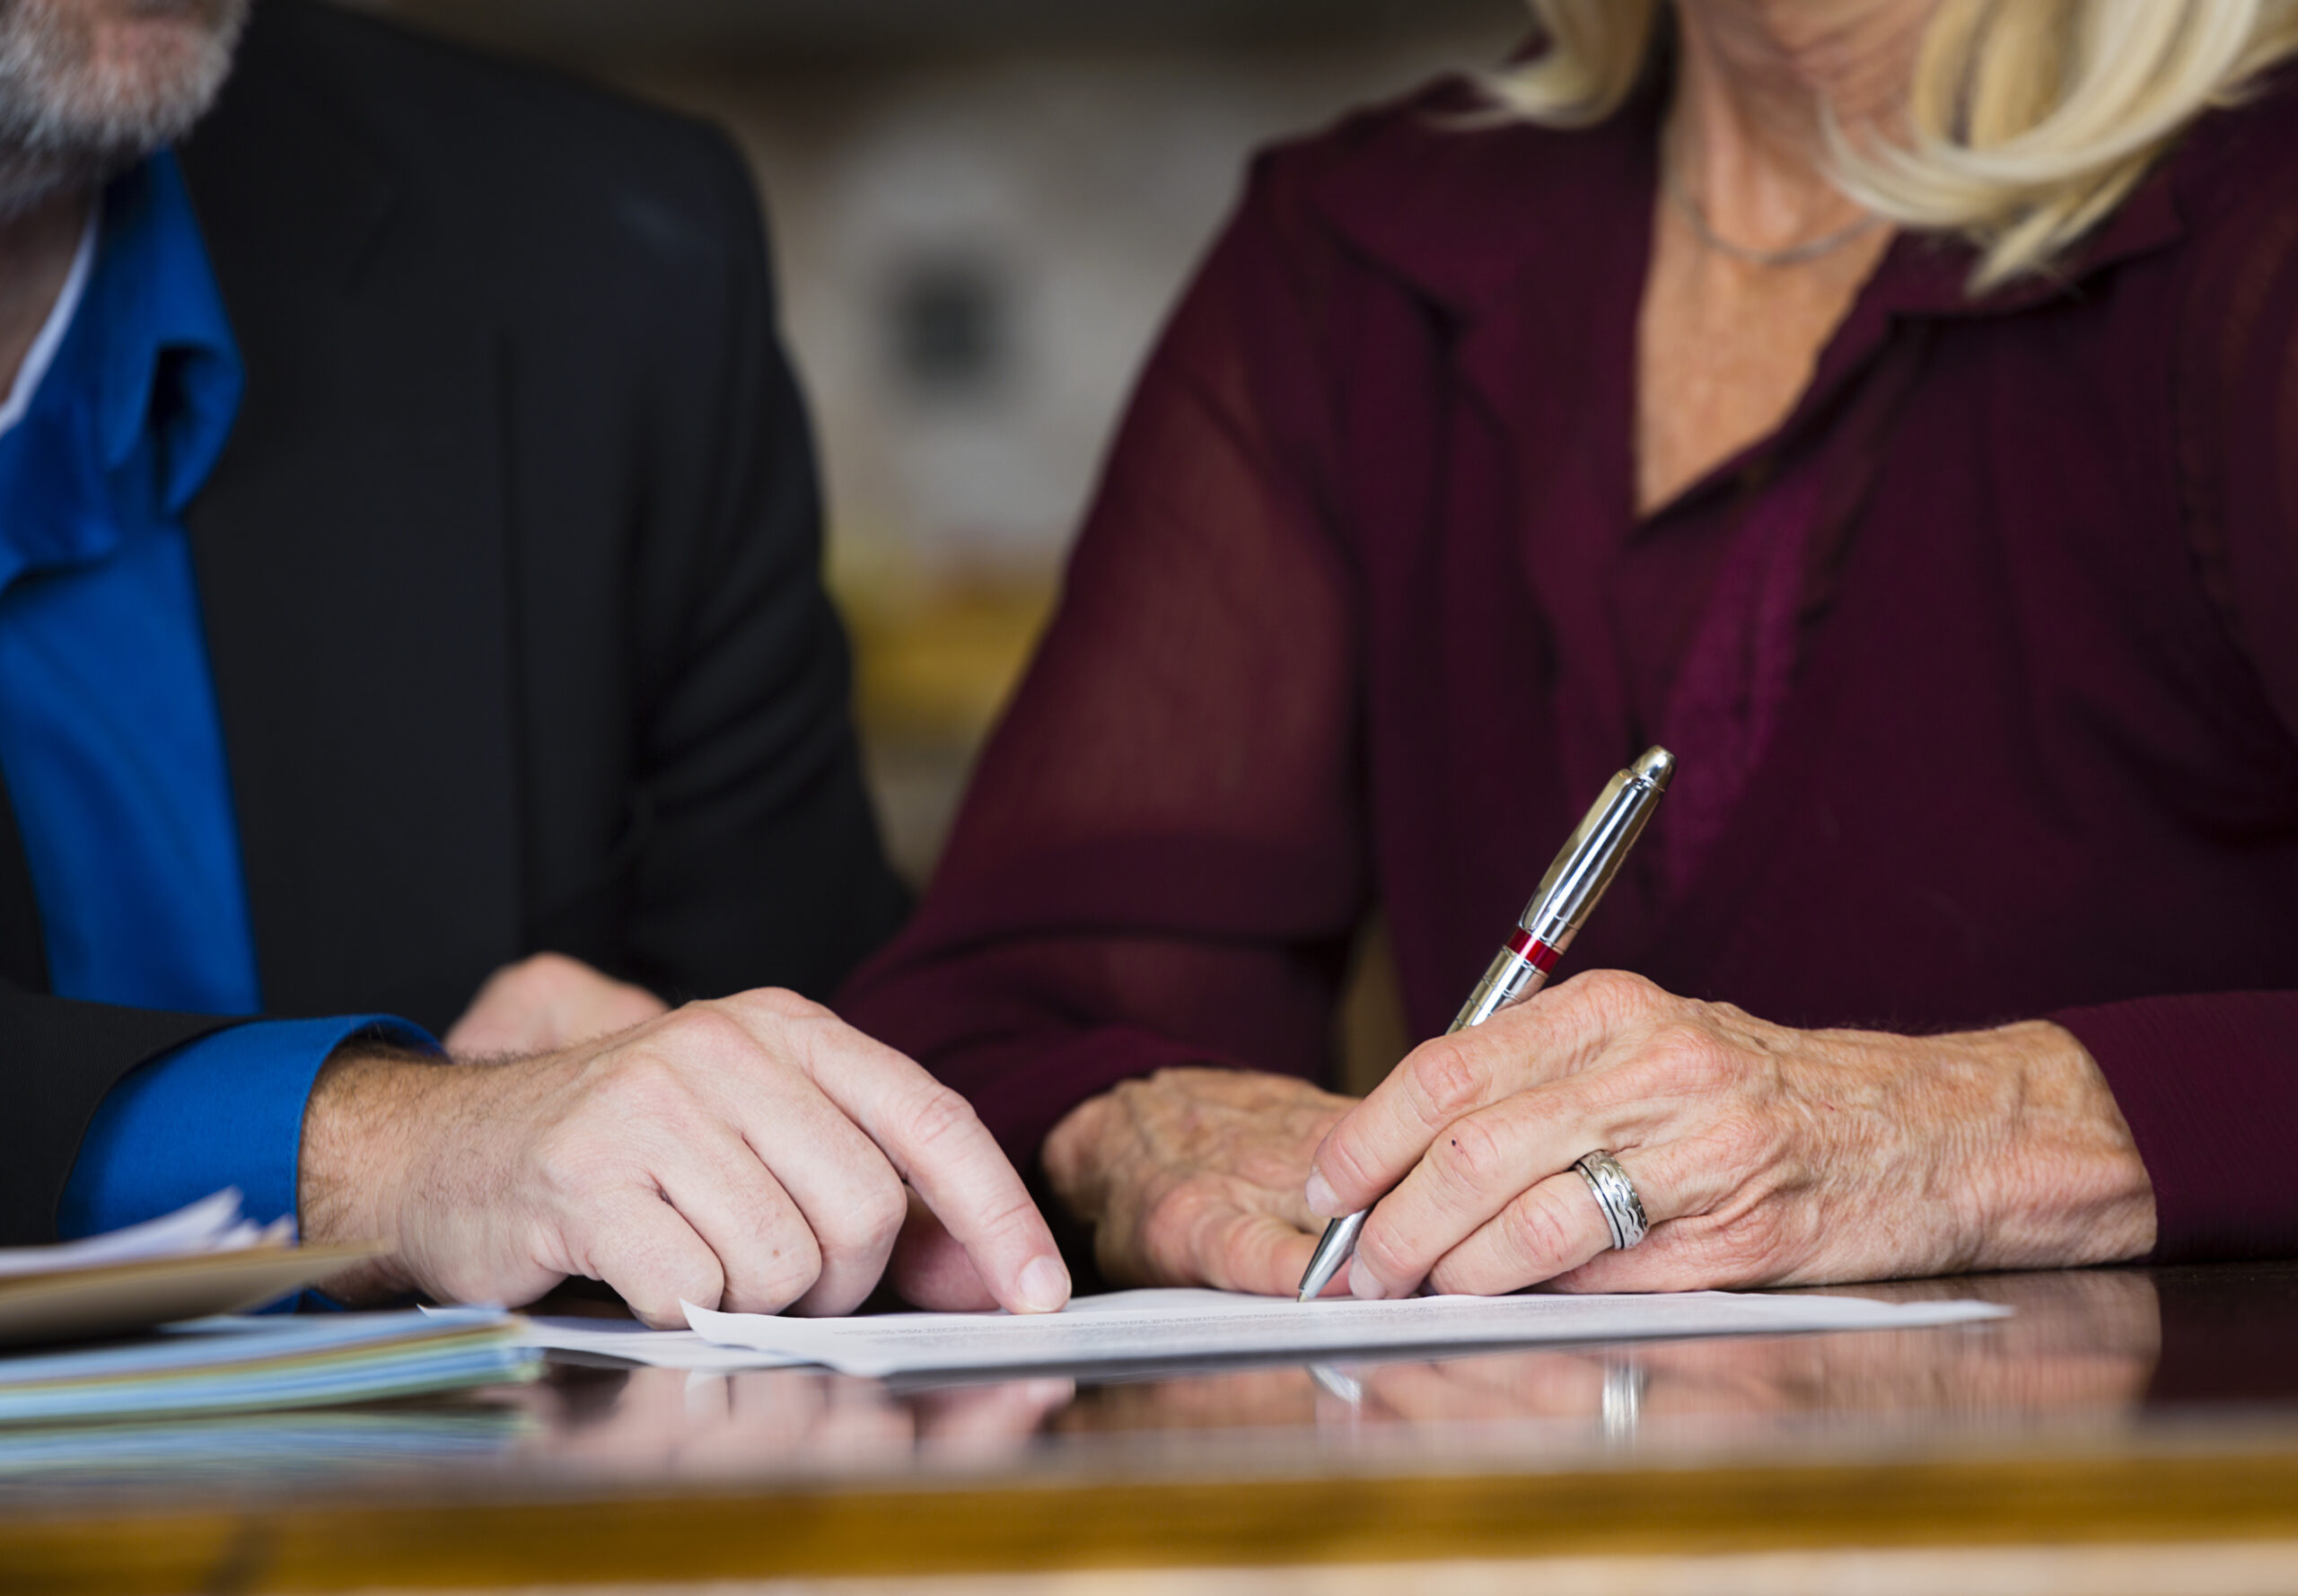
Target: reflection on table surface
x,y
2088,1356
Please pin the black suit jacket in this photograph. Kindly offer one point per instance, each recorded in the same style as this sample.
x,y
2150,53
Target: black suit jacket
x,y
509,570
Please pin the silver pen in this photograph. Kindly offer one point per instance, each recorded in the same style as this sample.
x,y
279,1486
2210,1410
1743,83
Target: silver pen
x,y
1592,856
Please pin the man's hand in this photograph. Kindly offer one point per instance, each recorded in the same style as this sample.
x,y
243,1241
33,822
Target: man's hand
x,y
545,1003
750,1153
1193,1177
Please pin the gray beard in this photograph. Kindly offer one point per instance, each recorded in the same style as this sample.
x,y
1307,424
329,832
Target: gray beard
x,y
70,119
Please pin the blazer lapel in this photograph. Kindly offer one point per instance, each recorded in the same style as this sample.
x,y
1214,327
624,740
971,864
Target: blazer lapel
x,y
351,556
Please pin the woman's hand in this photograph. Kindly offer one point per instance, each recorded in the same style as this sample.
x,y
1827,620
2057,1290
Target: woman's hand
x,y
1763,1155
1193,1177
546,1001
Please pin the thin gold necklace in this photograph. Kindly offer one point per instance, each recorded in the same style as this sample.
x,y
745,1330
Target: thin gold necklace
x,y
1827,243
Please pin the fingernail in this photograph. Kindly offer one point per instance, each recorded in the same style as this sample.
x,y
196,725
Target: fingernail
x,y
1361,1283
1322,1201
1044,1285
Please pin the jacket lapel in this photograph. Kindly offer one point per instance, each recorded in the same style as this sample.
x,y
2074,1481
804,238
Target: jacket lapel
x,y
351,556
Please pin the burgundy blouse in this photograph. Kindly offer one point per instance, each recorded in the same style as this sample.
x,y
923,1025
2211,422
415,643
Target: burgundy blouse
x,y
1982,670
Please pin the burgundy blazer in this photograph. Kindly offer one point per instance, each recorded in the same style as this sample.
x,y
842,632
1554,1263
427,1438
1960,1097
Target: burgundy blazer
x,y
1982,668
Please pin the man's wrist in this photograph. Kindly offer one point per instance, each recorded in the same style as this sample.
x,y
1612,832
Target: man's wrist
x,y
357,1155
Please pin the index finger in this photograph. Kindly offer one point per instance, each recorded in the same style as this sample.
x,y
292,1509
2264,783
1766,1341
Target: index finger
x,y
1548,1035
940,1147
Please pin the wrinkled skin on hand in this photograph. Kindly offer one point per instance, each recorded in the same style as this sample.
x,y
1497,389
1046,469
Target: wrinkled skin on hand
x,y
1193,1177
1763,1155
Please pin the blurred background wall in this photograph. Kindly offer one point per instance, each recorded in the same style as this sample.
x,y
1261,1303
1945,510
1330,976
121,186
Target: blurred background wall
x,y
981,212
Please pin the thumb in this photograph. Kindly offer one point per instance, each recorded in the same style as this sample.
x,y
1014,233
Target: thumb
x,y
929,1267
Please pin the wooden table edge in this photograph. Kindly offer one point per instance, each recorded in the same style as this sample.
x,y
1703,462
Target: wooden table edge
x,y
731,1534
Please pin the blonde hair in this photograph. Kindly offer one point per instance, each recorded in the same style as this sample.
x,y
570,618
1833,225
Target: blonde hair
x,y
2027,120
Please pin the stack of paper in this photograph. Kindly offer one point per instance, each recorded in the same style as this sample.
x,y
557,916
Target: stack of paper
x,y
293,1446
212,1224
204,1259
215,1365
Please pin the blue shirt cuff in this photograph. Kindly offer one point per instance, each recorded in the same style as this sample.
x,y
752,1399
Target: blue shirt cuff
x,y
227,1109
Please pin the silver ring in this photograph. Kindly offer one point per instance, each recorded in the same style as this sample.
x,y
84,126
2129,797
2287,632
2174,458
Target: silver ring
x,y
1615,1196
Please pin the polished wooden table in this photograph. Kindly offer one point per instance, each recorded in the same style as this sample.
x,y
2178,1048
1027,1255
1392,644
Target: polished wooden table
x,y
2127,1430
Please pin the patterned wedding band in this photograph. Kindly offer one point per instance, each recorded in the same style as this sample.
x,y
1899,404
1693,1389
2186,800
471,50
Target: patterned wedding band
x,y
1615,1196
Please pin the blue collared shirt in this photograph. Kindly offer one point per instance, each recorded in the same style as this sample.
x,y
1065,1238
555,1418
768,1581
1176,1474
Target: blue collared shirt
x,y
109,732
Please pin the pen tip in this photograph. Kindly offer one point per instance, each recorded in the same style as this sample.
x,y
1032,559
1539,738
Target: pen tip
x,y
1654,765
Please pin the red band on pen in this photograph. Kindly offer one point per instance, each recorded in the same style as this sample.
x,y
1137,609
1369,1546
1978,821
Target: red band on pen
x,y
1533,952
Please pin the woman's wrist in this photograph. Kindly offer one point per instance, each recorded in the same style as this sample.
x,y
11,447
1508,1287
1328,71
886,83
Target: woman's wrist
x,y
2062,1183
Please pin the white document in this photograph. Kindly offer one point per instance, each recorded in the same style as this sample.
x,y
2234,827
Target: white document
x,y
628,1338
1134,1326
